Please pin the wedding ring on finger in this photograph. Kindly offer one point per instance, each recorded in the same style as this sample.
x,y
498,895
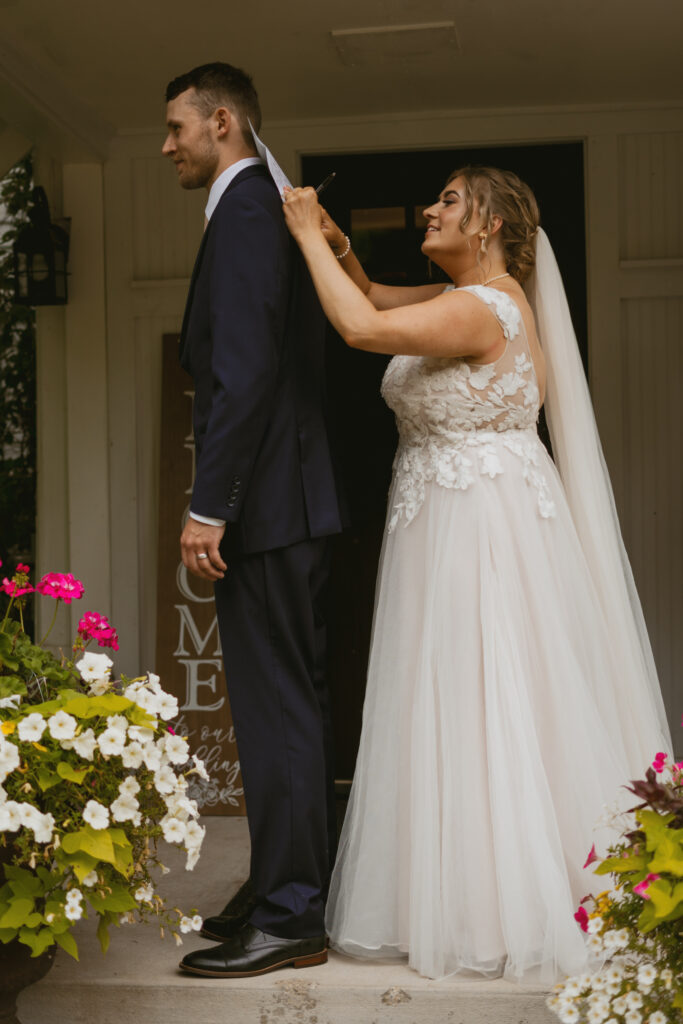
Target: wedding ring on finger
x,y
202,554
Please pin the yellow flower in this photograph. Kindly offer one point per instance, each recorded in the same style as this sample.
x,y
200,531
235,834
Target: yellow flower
x,y
39,746
8,728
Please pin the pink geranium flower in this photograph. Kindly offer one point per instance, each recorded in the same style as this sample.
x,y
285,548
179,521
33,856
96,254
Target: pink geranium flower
x,y
60,585
659,762
94,626
15,589
643,886
581,916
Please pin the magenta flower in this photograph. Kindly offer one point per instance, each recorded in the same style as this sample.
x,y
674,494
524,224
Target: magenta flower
x,y
643,886
592,856
94,626
15,589
659,761
60,585
581,916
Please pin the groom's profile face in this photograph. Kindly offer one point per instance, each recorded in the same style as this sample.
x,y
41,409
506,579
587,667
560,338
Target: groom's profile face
x,y
190,142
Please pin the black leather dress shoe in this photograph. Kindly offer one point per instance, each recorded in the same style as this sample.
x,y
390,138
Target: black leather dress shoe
x,y
251,952
232,917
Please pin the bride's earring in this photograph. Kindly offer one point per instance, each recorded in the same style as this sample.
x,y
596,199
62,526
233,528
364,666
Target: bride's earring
x,y
484,239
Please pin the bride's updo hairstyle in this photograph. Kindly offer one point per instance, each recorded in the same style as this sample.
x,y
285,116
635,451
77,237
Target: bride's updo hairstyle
x,y
497,193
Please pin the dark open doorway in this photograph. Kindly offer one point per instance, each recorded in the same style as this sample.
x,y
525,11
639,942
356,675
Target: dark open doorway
x,y
377,199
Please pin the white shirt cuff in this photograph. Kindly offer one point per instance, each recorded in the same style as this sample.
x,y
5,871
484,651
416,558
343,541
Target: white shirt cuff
x,y
207,520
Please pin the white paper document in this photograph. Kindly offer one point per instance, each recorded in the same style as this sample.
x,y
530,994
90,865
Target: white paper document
x,y
276,172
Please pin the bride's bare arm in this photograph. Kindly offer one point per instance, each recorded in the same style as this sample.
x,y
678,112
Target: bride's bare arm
x,y
450,324
382,296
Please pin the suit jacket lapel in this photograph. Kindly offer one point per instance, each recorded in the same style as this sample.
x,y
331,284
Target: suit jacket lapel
x,y
246,173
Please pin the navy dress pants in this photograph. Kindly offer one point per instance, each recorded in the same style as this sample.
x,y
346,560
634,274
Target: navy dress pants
x,y
272,626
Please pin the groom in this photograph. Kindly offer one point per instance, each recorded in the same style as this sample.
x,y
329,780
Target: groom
x,y
263,506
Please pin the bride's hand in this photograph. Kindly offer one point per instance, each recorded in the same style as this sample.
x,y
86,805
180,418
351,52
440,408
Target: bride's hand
x,y
335,237
303,213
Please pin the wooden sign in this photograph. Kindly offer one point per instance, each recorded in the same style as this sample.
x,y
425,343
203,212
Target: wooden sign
x,y
189,656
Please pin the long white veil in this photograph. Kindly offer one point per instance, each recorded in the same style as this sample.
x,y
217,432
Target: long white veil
x,y
579,459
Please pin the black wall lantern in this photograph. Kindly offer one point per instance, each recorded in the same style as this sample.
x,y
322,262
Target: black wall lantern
x,y
41,251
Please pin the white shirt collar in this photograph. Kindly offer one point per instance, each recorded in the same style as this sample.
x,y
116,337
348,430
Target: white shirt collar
x,y
223,180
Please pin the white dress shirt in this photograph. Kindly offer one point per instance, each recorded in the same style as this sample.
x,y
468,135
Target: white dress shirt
x,y
215,193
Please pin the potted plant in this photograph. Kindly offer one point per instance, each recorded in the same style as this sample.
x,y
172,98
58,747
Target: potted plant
x,y
636,927
92,777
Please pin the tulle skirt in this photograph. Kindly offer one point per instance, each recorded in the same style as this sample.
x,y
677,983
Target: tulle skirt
x,y
500,725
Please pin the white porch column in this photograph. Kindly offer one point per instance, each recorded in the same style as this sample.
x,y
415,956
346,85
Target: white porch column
x,y
87,440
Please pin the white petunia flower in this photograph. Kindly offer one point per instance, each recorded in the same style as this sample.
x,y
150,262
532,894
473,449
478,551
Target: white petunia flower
x,y
145,894
74,896
633,1017
119,723
90,879
13,701
194,835
132,755
177,749
9,760
124,808
572,989
62,726
647,975
94,667
164,781
633,1000
151,757
174,830
85,744
667,977
619,1005
96,815
43,828
594,925
656,1018
594,944
167,706
31,728
73,911
597,1014
3,795
99,687
140,734
200,769
11,819
614,975
568,1014
599,982
185,925
197,922
131,786
192,858
111,742
154,682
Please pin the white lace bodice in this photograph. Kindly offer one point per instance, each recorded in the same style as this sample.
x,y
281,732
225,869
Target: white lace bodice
x,y
453,415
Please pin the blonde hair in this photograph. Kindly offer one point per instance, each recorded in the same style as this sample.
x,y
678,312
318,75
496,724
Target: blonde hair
x,y
502,194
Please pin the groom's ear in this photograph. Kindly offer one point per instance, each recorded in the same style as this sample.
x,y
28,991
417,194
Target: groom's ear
x,y
223,120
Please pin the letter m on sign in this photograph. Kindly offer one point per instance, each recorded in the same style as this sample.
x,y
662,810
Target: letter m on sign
x,y
199,642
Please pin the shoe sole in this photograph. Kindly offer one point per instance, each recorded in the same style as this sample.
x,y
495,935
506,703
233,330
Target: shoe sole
x,y
310,960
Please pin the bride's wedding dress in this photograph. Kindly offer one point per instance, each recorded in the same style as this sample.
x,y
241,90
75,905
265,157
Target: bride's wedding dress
x,y
505,706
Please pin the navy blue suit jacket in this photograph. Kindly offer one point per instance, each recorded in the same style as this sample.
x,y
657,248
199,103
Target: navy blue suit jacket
x,y
253,340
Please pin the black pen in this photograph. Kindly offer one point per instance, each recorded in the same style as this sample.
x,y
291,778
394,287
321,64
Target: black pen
x,y
323,184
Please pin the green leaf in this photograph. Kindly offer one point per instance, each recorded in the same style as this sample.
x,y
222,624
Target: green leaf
x,y
103,931
7,652
34,919
81,863
119,837
620,865
118,901
666,899
19,910
68,943
95,842
47,779
7,934
10,685
65,771
23,882
37,941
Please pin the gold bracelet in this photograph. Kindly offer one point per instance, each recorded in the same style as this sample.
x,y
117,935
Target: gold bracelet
x,y
347,250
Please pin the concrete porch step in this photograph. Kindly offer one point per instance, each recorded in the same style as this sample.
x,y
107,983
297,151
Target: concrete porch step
x,y
138,979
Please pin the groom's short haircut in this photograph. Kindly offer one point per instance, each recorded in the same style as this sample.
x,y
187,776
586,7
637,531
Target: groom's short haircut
x,y
221,85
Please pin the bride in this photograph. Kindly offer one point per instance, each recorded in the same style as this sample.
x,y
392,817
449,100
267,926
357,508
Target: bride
x,y
511,687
